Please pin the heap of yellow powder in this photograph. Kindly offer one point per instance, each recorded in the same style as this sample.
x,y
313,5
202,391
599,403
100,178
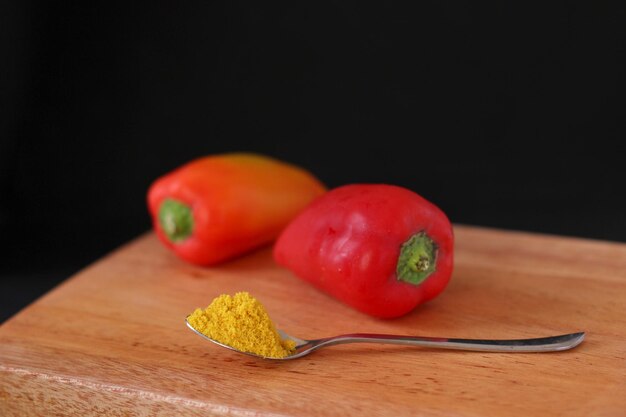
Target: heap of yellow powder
x,y
241,322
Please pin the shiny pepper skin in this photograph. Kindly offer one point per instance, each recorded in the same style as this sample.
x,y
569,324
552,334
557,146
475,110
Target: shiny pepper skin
x,y
218,207
381,249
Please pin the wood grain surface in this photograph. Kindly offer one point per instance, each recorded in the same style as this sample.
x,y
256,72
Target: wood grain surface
x,y
112,341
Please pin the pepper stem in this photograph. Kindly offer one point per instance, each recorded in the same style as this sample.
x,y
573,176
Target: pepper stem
x,y
417,259
176,220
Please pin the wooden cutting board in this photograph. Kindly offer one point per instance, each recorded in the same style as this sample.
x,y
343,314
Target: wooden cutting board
x,y
112,341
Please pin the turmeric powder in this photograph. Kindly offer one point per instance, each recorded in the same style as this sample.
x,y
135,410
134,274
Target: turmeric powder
x,y
241,322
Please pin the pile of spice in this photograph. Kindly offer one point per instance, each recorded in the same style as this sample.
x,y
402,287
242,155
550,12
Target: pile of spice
x,y
241,322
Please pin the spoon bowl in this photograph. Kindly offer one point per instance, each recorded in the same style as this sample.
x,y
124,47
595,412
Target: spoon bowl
x,y
304,347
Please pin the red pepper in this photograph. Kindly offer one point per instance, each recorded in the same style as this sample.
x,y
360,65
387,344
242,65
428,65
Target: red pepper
x,y
220,206
381,249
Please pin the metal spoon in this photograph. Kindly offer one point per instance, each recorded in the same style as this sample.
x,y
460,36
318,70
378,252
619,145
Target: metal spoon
x,y
541,344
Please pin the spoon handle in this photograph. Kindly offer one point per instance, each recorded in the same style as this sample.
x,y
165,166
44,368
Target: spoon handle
x,y
542,344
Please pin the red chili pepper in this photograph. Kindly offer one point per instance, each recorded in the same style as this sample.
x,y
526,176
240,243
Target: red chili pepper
x,y
381,249
221,206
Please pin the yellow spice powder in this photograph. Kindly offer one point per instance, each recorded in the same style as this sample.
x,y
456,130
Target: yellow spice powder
x,y
241,322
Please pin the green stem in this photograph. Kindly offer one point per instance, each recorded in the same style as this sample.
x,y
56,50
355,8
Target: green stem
x,y
176,220
417,260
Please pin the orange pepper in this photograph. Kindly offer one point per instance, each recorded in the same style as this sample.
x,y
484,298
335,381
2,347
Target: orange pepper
x,y
221,206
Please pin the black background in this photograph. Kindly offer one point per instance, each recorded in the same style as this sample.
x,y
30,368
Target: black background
x,y
503,114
